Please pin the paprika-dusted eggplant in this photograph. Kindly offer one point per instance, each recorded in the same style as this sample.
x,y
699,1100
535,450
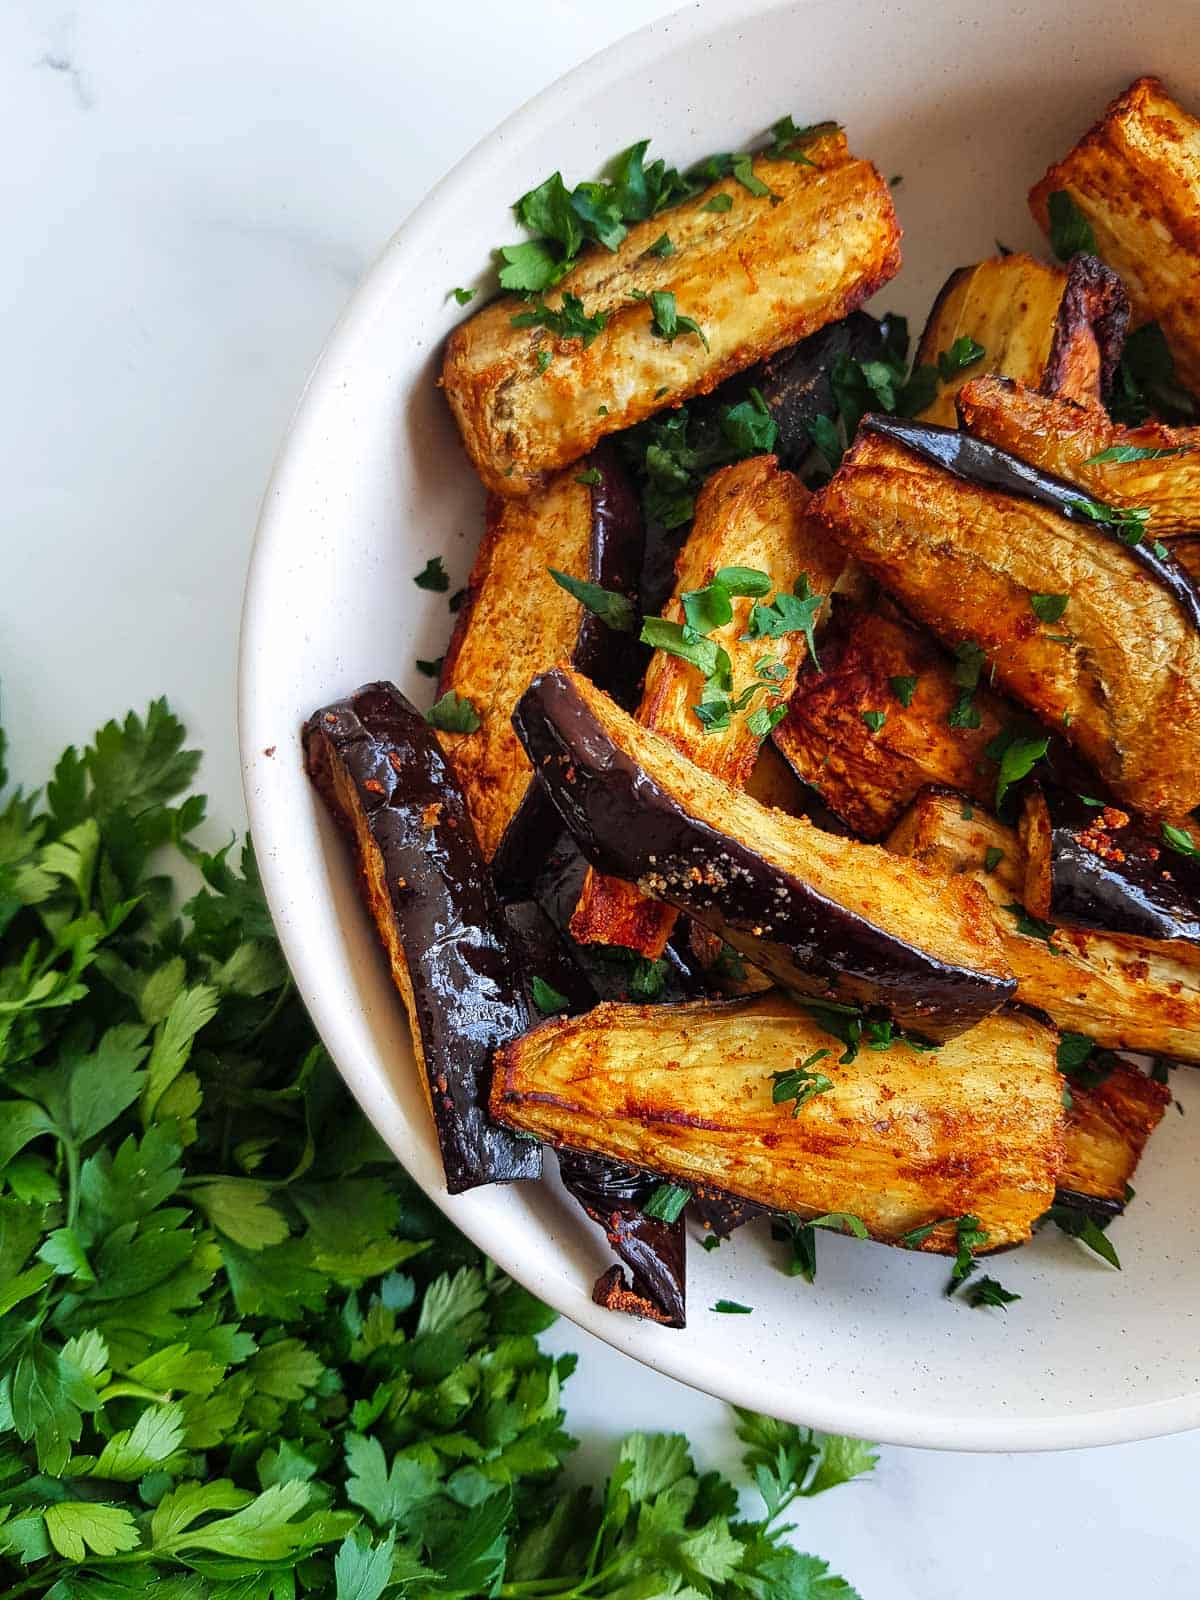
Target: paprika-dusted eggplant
x,y
1089,334
1108,1124
1135,178
609,1192
1125,993
967,537
874,660
752,516
1151,467
754,278
1096,866
826,917
517,620
377,765
897,1138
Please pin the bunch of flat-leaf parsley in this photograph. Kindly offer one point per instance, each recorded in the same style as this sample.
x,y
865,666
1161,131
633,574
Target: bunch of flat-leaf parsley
x,y
240,1356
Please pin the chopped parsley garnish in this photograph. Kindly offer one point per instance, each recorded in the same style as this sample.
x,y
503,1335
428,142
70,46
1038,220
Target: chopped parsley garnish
x,y
969,661
918,1236
1082,1061
800,1233
667,1202
844,1022
463,296
967,811
430,669
666,322
542,359
789,613
1180,840
707,608
1017,756
569,321
732,1308
992,858
711,1241
903,688
677,639
1145,381
457,600
616,611
1032,926
963,353
672,455
1127,522
874,719
748,581
987,1292
1123,453
801,1084
647,979
1049,607
1090,1232
761,722
719,202
788,142
453,714
969,1237
749,426
546,998
590,476
1070,231
662,246
433,575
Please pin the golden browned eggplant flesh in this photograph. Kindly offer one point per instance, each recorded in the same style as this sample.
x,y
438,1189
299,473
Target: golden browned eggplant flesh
x,y
897,1138
1135,177
752,516
1121,665
1107,1128
754,275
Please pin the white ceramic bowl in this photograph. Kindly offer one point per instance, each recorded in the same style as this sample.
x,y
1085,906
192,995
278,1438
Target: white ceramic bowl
x,y
968,100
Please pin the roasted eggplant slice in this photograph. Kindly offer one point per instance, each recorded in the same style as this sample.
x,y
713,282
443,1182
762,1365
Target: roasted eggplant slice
x,y
1125,993
377,765
1089,334
877,663
898,1138
1152,466
1096,866
1007,304
1108,1125
827,917
1135,178
755,278
1122,665
752,515
724,969
517,621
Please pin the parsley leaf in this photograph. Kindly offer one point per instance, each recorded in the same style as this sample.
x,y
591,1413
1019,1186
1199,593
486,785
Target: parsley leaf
x,y
546,998
903,688
614,610
789,613
1145,381
1179,840
732,1308
874,719
569,321
1017,757
963,353
433,575
1032,926
719,202
987,1292
749,425
800,1083
992,858
667,1202
1049,607
1125,453
666,322
1070,231
463,296
453,713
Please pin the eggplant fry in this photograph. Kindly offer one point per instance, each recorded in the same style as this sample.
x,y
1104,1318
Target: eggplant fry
x,y
1107,1130
1064,439
868,775
898,1139
1008,304
1099,867
517,621
376,764
761,275
1124,663
828,917
1089,334
1135,176
1125,993
753,515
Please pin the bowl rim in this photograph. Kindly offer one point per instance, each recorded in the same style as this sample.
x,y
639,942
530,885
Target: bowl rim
x,y
633,52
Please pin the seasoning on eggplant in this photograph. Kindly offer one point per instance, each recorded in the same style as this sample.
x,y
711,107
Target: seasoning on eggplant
x,y
751,519
1133,178
1098,866
1125,993
517,621
377,766
1108,1125
749,280
610,1193
1089,334
897,1138
967,536
827,917
1151,467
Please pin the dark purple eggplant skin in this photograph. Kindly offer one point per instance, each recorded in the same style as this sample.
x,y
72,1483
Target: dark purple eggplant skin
x,y
988,467
626,825
467,997
1153,893
720,1213
1091,1205
614,661
610,1192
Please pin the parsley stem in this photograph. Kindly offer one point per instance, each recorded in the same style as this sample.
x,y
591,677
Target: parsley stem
x,y
71,1152
40,1577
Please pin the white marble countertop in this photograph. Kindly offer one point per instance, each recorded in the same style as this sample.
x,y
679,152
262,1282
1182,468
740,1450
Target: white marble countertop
x,y
191,194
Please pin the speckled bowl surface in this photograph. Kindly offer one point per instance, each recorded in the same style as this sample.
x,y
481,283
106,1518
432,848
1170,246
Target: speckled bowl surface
x,y
968,102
